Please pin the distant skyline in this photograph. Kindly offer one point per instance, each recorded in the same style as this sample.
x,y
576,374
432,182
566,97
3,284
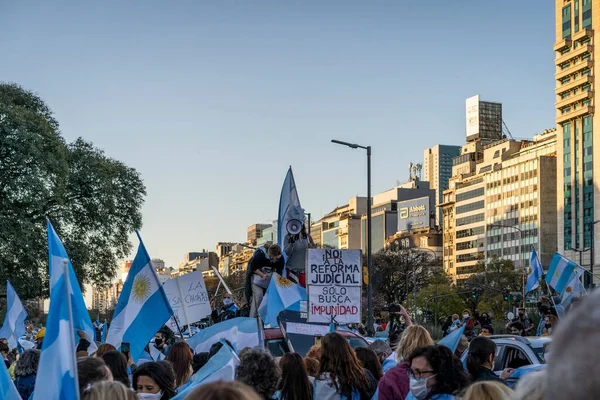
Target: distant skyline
x,y
212,101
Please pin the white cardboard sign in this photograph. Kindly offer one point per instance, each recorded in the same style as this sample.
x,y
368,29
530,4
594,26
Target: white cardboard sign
x,y
334,281
188,298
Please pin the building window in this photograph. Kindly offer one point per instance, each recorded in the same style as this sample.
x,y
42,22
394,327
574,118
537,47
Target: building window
x,y
586,15
576,15
470,207
566,21
470,219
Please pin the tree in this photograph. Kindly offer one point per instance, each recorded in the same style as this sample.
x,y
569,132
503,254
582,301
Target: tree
x,y
440,295
395,273
93,201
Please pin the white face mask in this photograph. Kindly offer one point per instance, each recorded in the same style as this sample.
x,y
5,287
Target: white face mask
x,y
150,396
227,301
418,387
465,316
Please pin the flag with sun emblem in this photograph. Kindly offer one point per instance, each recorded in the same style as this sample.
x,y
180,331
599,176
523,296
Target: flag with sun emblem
x,y
561,272
282,294
534,273
143,306
573,290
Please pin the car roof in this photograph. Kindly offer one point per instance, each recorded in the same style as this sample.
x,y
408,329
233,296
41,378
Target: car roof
x,y
533,341
276,333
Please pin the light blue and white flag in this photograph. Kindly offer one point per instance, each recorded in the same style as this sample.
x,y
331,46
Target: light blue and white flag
x,y
156,354
573,290
240,332
57,371
560,272
81,318
451,340
535,272
14,320
291,214
8,391
104,328
221,367
143,307
282,294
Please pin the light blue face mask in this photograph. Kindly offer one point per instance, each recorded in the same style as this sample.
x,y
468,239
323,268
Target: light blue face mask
x,y
418,387
149,396
227,301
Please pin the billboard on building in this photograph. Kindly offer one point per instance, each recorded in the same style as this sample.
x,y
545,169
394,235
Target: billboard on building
x,y
472,117
414,214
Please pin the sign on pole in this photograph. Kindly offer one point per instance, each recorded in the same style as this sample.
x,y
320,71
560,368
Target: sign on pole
x,y
188,298
334,282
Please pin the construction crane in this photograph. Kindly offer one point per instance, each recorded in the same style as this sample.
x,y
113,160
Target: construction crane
x,y
506,131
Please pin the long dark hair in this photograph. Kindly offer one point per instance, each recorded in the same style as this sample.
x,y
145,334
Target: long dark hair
x,y
339,360
158,374
369,360
450,376
117,363
181,356
294,383
479,352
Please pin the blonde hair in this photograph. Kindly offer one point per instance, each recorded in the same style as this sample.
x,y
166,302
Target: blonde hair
x,y
221,390
414,337
109,390
488,390
532,386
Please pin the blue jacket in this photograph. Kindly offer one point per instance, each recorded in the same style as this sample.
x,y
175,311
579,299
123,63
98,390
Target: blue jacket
x,y
25,385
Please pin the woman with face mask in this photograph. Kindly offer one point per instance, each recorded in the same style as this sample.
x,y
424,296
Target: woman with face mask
x,y
480,361
152,381
435,374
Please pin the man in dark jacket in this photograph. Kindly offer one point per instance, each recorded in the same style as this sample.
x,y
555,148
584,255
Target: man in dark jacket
x,y
258,275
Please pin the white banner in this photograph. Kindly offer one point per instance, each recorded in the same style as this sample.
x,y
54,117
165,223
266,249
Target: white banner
x,y
307,329
188,298
334,281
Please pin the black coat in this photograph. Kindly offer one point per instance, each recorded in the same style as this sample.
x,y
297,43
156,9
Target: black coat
x,y
259,260
485,374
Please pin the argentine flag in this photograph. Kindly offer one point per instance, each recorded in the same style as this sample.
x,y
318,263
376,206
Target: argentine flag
x,y
81,318
104,328
8,391
290,211
535,272
451,340
561,272
57,371
573,290
14,320
221,367
240,332
143,307
282,294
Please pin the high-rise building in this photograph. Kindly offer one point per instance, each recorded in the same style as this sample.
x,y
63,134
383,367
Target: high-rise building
x,y
578,175
255,232
499,204
437,170
484,120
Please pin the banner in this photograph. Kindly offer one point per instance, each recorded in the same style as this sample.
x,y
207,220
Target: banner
x,y
188,298
334,282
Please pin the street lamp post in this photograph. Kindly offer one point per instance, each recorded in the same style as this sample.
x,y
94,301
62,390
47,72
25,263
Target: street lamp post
x,y
520,251
370,328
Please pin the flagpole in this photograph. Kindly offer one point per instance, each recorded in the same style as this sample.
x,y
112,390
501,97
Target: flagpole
x,y
71,327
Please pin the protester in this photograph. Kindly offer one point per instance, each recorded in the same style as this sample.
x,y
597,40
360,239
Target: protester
x,y
181,357
395,384
4,350
222,390
91,370
39,338
522,318
258,275
447,324
26,372
312,366
381,349
104,348
315,352
488,390
436,374
341,372
484,320
294,383
228,310
469,322
486,330
117,363
214,349
533,386
550,325
369,361
153,381
573,369
516,328
295,247
199,360
109,390
480,361
258,370
544,313
160,342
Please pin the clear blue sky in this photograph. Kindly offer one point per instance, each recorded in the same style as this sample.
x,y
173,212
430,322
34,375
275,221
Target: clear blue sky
x,y
211,101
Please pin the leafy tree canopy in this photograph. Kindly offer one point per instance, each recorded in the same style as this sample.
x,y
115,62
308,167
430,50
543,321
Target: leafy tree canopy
x,y
93,201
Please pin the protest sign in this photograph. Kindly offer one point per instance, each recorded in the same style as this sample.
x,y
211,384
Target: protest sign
x,y
188,298
334,282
